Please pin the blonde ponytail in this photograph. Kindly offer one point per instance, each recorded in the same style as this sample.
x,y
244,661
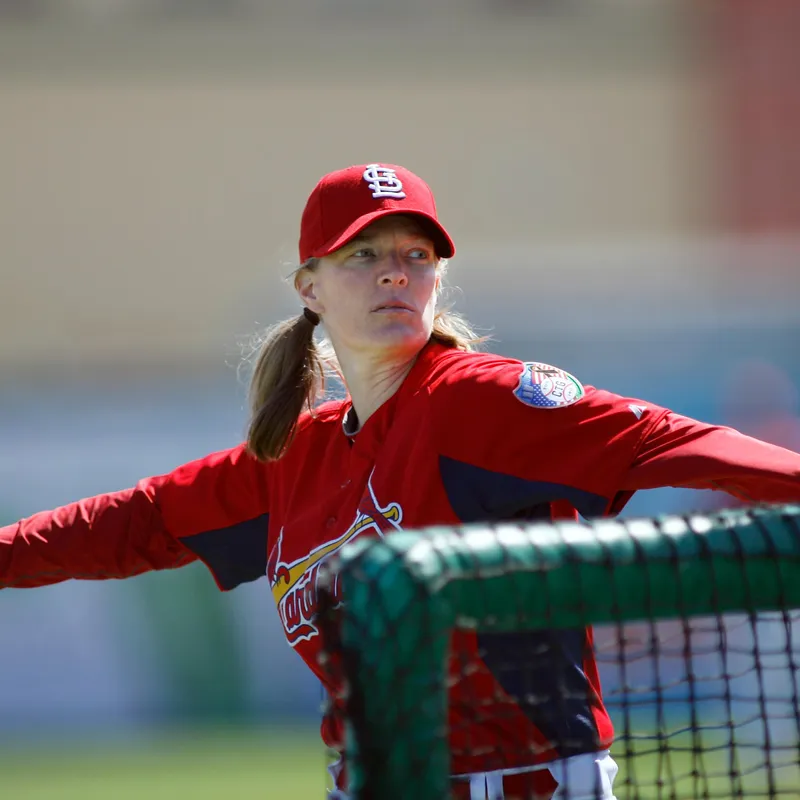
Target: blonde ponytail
x,y
288,375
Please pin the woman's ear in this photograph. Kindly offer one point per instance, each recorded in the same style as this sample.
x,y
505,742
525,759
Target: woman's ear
x,y
304,284
441,269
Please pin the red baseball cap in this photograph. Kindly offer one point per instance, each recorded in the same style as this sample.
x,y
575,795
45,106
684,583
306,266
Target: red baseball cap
x,y
344,202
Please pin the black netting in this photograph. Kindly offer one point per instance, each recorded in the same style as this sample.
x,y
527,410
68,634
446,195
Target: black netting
x,y
498,659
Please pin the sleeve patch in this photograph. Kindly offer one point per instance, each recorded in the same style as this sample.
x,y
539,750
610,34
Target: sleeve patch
x,y
544,386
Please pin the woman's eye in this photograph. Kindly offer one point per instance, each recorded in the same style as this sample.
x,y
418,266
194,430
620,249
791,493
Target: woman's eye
x,y
419,254
364,252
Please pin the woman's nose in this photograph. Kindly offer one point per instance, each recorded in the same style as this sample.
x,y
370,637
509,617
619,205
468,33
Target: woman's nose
x,y
393,271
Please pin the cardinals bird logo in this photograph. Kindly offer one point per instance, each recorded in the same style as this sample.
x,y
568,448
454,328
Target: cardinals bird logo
x,y
294,584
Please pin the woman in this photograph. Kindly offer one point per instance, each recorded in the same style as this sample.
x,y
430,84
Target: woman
x,y
430,433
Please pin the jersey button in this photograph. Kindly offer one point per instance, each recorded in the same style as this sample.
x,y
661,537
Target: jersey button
x,y
346,484
331,522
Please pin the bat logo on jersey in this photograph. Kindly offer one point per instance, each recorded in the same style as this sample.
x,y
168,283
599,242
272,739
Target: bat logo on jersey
x,y
543,386
384,182
294,584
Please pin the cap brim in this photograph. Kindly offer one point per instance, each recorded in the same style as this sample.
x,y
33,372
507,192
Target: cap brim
x,y
445,248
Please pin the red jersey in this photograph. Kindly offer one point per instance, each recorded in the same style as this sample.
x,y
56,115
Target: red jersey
x,y
468,437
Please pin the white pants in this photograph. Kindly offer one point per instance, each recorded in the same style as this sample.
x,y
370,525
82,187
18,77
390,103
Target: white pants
x,y
585,777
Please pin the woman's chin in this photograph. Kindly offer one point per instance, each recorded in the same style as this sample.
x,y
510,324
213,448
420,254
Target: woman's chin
x,y
399,335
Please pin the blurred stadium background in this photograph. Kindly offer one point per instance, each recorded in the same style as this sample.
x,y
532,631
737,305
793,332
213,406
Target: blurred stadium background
x,y
622,180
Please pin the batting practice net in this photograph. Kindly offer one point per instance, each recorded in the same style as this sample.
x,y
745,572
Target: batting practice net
x,y
695,636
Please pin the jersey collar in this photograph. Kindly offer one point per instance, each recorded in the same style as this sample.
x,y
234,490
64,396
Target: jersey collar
x,y
370,436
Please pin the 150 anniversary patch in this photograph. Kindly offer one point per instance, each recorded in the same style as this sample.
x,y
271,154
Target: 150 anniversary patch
x,y
545,386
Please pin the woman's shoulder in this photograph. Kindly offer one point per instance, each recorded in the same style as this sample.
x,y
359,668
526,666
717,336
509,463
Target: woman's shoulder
x,y
482,376
461,368
315,431
322,417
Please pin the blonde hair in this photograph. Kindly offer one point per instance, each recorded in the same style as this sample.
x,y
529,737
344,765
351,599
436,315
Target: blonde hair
x,y
291,367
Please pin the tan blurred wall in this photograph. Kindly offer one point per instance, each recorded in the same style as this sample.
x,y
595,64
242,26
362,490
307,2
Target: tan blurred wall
x,y
151,181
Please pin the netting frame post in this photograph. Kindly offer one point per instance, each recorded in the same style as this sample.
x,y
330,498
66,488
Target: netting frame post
x,y
378,768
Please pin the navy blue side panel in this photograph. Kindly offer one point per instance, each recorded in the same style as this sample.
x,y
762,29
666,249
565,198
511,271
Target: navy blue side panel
x,y
480,495
543,672
236,554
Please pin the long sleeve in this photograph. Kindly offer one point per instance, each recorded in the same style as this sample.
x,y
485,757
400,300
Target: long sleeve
x,y
115,535
214,509
684,453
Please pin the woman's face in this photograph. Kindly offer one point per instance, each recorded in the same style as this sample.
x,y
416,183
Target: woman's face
x,y
377,293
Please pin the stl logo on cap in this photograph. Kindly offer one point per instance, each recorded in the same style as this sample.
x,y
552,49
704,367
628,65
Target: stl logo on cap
x,y
346,201
383,181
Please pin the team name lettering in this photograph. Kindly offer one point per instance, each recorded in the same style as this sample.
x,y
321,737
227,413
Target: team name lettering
x,y
295,585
